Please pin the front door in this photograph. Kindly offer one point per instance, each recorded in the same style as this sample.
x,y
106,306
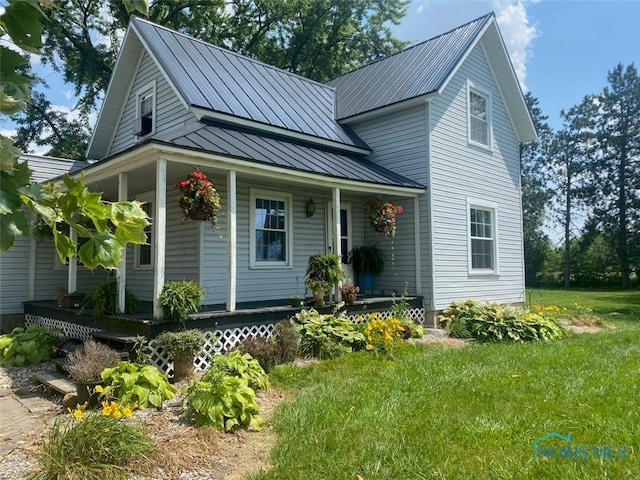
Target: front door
x,y
346,235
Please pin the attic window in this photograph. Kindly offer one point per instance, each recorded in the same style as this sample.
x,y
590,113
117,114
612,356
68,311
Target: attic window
x,y
479,108
144,123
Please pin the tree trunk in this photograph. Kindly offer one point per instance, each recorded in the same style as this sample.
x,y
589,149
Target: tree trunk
x,y
623,252
567,231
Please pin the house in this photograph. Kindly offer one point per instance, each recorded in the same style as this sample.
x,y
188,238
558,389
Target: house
x,y
435,128
19,280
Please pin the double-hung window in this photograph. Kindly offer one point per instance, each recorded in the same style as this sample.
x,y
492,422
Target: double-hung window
x,y
270,240
483,242
145,120
479,110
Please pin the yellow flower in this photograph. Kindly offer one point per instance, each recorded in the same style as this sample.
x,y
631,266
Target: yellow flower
x,y
369,346
77,413
126,411
98,389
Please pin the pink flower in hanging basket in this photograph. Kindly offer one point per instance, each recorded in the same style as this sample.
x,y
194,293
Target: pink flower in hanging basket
x,y
382,216
198,199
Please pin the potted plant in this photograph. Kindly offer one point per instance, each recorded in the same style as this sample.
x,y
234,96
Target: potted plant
x,y
296,301
182,346
198,199
323,271
382,216
367,262
349,292
181,298
85,366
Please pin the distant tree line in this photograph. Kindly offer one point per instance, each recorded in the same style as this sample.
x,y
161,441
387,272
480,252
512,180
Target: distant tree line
x,y
585,177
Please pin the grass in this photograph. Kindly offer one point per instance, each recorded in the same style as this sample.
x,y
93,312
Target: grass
x,y
473,412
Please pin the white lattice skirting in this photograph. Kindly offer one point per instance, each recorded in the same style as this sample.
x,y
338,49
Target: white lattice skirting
x,y
216,341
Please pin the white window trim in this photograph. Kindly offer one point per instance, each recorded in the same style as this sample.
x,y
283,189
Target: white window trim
x,y
483,93
147,198
270,195
493,207
151,86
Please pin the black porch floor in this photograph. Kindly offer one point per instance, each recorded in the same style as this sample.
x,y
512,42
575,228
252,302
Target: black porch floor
x,y
211,317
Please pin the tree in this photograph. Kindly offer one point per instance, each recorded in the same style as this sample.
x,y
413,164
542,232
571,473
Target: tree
x,y
568,154
41,125
614,166
107,227
536,194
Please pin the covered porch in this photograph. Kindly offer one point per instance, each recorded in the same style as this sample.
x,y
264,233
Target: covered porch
x,y
322,210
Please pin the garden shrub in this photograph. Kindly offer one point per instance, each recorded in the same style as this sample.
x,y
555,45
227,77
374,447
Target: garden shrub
x,y
96,445
105,299
179,299
493,322
86,364
33,345
144,385
326,336
283,347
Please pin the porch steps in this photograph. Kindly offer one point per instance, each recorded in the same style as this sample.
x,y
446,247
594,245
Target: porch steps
x,y
56,381
124,343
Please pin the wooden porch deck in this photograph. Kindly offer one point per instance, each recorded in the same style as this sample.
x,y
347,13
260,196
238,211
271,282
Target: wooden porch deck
x,y
211,317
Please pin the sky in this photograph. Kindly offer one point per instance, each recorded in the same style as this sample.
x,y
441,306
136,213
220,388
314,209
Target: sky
x,y
561,50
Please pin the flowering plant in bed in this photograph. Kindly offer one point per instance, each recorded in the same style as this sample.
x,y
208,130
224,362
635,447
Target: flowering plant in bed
x,y
198,199
382,216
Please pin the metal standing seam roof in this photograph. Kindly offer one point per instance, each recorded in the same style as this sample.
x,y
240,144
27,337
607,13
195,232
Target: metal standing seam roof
x,y
413,72
219,80
279,152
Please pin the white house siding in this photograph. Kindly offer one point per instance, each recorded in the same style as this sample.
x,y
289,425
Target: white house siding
x,y
459,171
14,276
309,238
400,143
170,111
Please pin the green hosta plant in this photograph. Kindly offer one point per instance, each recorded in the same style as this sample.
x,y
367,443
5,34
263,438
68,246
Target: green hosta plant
x,y
326,336
222,401
33,345
239,365
132,383
496,323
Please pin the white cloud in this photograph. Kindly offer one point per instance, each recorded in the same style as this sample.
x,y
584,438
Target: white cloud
x,y
422,6
517,32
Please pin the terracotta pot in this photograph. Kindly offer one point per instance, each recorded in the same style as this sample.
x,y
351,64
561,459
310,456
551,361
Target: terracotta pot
x,y
182,366
318,296
349,297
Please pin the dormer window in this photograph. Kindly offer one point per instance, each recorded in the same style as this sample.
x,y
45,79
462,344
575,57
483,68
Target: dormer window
x,y
145,120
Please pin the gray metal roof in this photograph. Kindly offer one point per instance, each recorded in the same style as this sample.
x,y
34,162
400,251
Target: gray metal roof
x,y
413,72
221,81
45,168
276,151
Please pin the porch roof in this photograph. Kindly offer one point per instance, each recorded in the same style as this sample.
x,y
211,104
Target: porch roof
x,y
278,152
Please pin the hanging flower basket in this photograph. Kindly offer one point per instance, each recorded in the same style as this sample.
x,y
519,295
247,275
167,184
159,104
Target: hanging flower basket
x,y
382,216
198,199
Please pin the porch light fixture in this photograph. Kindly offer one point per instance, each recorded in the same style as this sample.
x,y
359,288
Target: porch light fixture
x,y
311,208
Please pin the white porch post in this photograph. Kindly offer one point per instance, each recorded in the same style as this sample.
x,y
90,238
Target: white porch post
x,y
231,240
416,236
337,234
121,274
160,220
72,281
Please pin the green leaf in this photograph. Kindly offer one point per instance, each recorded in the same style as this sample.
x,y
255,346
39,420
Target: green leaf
x,y
8,153
15,88
101,249
21,21
141,6
12,225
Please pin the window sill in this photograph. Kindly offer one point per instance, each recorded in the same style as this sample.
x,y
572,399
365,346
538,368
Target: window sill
x,y
480,146
484,273
261,266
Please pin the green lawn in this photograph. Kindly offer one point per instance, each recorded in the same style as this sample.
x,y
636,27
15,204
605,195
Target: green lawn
x,y
473,412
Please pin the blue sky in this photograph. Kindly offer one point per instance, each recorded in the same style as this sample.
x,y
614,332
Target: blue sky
x,y
561,50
